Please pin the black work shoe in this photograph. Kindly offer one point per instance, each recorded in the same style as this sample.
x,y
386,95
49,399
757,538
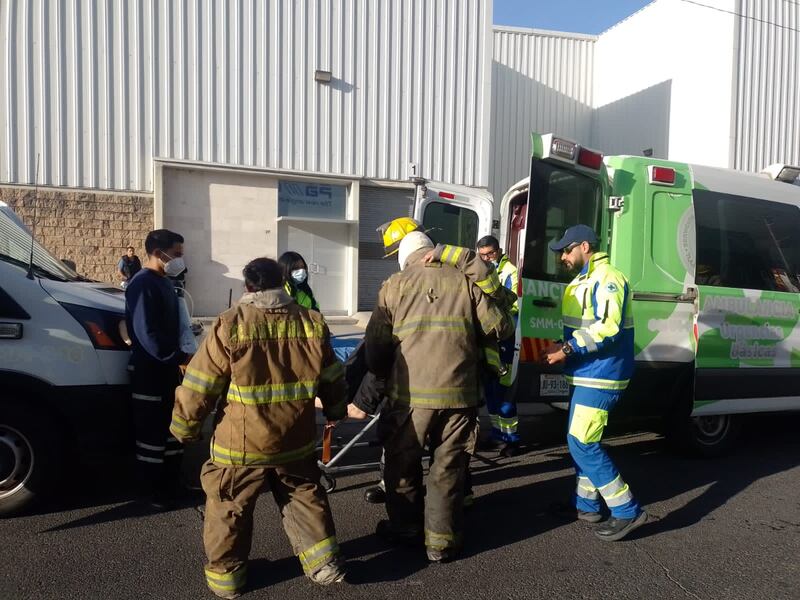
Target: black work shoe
x,y
375,495
615,529
568,512
510,449
404,537
440,557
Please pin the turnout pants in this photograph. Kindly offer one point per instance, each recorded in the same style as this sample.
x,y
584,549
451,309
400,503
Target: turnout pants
x,y
502,412
451,435
597,477
231,494
158,453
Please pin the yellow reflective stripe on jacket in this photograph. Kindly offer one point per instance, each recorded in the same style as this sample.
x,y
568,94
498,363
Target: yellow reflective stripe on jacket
x,y
493,359
489,285
318,554
227,582
441,541
272,393
585,340
435,397
579,323
451,254
184,428
406,327
598,384
203,383
333,372
226,456
276,330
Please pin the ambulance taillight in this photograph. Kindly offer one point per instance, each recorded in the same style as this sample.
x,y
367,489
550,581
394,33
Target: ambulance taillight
x,y
590,159
662,175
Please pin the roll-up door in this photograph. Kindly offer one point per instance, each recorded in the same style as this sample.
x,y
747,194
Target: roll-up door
x,y
377,206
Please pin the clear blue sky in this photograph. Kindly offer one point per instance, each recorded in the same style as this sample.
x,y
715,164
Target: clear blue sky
x,y
578,16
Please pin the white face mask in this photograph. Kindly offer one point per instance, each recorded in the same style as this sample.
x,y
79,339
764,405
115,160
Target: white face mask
x,y
174,266
299,275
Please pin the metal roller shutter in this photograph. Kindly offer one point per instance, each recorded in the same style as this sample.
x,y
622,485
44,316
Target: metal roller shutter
x,y
377,206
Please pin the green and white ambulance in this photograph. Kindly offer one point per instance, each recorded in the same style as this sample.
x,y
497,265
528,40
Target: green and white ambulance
x,y
713,258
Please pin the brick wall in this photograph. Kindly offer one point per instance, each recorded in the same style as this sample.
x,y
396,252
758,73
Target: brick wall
x,y
90,228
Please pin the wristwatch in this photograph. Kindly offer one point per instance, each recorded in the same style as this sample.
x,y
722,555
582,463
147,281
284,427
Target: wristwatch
x,y
567,349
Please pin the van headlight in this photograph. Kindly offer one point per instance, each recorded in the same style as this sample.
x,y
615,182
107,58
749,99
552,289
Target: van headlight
x,y
102,326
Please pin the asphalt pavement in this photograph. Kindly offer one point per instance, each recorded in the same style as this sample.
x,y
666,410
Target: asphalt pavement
x,y
727,528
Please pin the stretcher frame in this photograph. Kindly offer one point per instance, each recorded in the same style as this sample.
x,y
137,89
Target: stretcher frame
x,y
329,467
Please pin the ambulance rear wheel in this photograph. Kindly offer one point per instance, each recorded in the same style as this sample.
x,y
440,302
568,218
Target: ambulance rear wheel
x,y
705,437
327,482
714,435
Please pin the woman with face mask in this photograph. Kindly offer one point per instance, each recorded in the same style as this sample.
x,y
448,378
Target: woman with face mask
x,y
295,274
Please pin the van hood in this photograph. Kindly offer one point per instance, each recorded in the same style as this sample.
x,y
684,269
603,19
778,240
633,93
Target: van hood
x,y
103,296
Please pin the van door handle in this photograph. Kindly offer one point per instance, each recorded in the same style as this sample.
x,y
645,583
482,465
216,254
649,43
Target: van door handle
x,y
545,302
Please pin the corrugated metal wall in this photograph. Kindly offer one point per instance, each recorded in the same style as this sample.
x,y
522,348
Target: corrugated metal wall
x,y
541,81
100,87
768,84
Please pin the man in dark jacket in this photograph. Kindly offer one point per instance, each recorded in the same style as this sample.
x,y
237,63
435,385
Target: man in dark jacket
x,y
129,265
151,313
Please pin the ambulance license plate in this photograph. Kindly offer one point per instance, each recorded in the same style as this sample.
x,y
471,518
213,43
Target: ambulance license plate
x,y
553,385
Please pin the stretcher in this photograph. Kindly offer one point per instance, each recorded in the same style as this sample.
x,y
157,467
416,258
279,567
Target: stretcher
x,y
333,449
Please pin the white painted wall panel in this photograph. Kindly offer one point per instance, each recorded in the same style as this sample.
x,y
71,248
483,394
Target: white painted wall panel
x,y
100,87
673,47
768,84
541,81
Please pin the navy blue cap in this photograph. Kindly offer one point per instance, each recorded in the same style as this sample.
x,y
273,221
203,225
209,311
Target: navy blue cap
x,y
575,235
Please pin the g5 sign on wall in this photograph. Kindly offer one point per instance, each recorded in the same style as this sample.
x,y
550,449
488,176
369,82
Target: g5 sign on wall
x,y
311,200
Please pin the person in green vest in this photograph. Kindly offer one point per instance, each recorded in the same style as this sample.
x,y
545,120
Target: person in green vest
x,y
295,274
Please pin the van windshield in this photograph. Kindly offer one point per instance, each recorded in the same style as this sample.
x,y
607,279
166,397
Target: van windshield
x,y
15,247
558,199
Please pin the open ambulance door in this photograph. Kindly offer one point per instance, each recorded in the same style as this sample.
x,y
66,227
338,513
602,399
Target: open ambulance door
x,y
454,214
568,184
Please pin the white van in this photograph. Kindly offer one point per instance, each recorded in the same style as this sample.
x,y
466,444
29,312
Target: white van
x,y
63,366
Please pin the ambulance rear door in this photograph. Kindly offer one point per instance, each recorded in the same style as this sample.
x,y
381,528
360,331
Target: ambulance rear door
x,y
454,214
568,184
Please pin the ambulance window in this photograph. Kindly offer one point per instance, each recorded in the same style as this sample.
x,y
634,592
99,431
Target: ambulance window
x,y
449,224
746,243
559,199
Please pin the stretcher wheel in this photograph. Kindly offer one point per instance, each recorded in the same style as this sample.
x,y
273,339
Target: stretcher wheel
x,y
327,482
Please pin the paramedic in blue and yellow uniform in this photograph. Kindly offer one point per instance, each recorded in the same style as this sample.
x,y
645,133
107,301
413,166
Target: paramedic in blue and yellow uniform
x,y
598,361
501,406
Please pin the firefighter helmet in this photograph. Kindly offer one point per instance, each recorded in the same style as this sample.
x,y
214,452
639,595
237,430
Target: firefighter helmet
x,y
394,231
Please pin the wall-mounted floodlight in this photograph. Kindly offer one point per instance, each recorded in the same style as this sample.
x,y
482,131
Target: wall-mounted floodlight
x,y
647,152
322,76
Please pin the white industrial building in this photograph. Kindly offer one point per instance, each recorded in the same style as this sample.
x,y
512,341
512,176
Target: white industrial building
x,y
257,127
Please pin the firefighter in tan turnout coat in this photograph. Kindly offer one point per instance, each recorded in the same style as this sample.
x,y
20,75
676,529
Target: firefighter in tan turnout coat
x,y
428,335
270,358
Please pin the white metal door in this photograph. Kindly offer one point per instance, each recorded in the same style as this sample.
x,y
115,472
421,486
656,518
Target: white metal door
x,y
324,248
